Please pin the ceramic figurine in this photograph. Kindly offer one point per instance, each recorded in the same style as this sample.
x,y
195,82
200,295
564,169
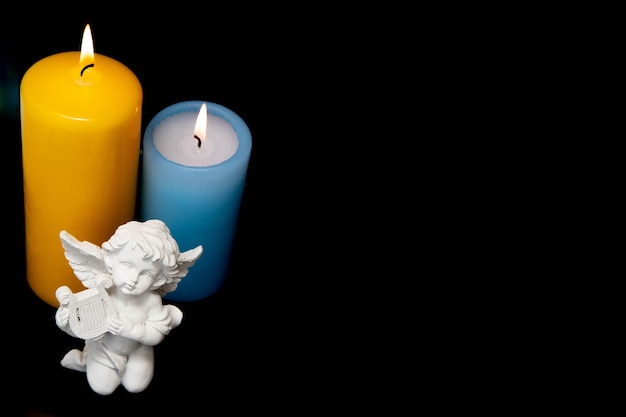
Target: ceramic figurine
x,y
121,315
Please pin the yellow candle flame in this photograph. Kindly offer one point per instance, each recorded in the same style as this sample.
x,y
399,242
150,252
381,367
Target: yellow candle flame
x,y
199,132
86,49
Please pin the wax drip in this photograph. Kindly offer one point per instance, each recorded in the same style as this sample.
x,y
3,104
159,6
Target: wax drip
x,y
83,70
199,140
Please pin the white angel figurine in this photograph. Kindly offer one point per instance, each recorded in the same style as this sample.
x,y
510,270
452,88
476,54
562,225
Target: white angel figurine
x,y
121,315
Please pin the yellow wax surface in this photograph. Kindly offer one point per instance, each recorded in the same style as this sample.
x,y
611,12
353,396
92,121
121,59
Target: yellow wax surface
x,y
80,154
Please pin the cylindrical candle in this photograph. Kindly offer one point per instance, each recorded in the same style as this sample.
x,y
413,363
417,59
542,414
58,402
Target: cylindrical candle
x,y
81,137
196,190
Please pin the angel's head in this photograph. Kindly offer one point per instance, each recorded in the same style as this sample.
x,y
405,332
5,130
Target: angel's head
x,y
149,253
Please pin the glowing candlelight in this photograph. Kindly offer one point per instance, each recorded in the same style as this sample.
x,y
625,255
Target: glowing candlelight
x,y
199,131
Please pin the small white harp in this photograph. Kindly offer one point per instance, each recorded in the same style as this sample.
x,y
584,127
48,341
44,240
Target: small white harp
x,y
90,310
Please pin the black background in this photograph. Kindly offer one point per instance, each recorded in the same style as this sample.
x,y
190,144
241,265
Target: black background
x,y
252,345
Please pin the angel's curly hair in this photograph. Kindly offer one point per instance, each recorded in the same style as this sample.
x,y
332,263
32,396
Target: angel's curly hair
x,y
156,242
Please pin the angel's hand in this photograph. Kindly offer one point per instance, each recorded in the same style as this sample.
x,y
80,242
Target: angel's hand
x,y
116,326
62,316
122,327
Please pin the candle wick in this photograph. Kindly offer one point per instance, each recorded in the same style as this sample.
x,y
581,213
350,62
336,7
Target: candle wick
x,y
199,140
83,70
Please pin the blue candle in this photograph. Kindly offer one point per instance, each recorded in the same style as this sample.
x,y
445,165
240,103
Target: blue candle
x,y
194,183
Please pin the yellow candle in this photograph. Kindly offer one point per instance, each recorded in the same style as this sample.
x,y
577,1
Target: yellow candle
x,y
81,129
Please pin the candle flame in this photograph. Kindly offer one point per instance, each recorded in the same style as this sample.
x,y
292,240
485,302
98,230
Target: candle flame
x,y
200,130
86,48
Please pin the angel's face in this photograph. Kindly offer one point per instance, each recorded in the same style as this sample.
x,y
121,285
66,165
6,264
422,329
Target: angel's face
x,y
132,273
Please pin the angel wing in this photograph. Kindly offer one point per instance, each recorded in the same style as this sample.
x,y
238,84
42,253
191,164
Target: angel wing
x,y
185,261
85,258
